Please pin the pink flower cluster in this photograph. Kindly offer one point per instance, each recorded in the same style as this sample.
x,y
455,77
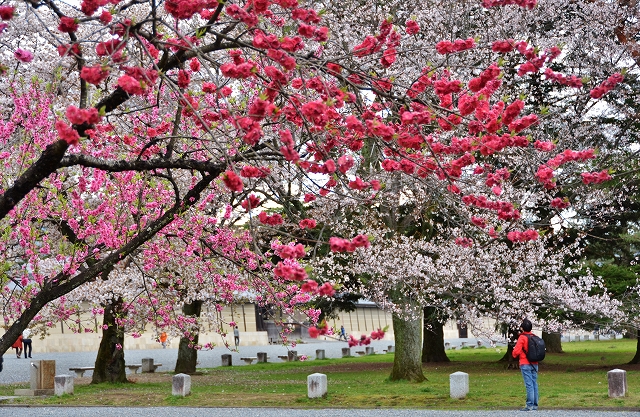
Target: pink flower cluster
x,y
67,133
290,270
289,251
249,171
606,86
412,27
459,45
273,220
519,236
312,287
560,203
504,209
595,177
337,244
571,81
307,224
80,116
94,75
251,202
232,181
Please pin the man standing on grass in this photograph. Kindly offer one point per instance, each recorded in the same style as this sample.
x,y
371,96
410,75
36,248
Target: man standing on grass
x,y
529,369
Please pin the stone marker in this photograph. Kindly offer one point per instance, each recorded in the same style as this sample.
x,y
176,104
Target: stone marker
x,y
292,355
346,352
617,383
63,384
463,344
181,385
317,385
319,353
586,337
391,349
458,384
577,338
447,345
147,365
262,357
226,359
369,350
42,374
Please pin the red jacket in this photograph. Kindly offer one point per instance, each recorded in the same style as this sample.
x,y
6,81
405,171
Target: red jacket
x,y
522,346
17,343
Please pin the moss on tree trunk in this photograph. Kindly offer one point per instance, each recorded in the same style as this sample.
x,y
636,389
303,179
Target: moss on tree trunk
x,y
109,365
407,364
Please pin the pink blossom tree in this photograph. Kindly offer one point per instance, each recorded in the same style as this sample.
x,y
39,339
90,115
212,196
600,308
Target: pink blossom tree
x,y
143,120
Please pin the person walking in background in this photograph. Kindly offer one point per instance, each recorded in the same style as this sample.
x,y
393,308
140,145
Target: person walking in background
x,y
343,334
529,369
26,341
236,336
17,345
163,339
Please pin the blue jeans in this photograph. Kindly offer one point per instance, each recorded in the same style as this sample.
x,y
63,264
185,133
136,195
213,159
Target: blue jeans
x,y
530,376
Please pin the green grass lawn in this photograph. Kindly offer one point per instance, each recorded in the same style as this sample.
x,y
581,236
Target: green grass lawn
x,y
575,379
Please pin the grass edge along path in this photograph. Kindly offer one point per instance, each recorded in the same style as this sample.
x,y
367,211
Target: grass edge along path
x,y
576,379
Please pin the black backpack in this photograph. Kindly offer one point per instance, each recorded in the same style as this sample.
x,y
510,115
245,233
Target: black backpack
x,y
536,350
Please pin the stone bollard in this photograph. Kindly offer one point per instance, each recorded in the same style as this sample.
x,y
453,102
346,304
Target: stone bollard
x,y
147,365
577,338
262,357
369,350
292,355
181,385
317,385
458,385
617,383
319,353
63,384
391,349
447,345
226,359
586,337
346,352
463,344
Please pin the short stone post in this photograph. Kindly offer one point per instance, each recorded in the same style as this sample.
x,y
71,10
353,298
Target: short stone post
x,y
447,345
226,359
292,355
63,384
317,385
319,353
458,385
181,385
369,350
617,383
391,349
346,352
262,357
463,344
577,338
586,337
147,365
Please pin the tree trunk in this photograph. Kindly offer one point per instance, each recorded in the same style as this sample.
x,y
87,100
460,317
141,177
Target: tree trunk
x,y
408,339
512,363
636,358
109,365
187,355
552,342
433,338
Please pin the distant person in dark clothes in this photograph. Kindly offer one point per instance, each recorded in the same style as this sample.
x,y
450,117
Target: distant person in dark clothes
x,y
236,336
26,341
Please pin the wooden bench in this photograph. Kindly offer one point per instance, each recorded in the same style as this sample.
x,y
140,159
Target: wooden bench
x,y
80,370
249,360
